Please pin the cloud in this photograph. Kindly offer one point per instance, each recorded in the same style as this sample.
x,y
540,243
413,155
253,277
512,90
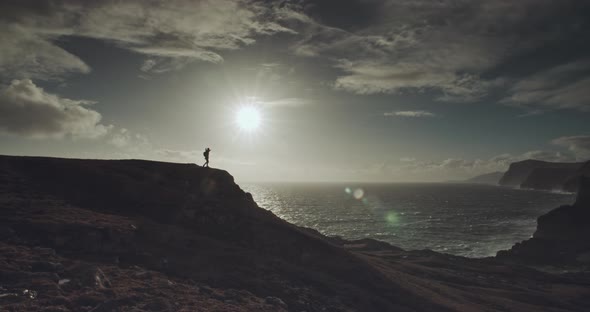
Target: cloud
x,y
578,149
178,28
458,168
565,86
414,114
120,138
279,102
29,54
285,102
171,34
579,145
123,138
27,110
165,59
397,55
449,49
371,77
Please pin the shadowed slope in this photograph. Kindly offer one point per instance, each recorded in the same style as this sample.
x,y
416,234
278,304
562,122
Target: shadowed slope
x,y
195,220
98,235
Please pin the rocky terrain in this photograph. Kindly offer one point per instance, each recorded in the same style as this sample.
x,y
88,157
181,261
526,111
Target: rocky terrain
x,y
543,175
133,235
561,238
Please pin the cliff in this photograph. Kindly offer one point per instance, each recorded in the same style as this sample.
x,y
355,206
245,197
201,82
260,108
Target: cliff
x,y
571,185
548,179
541,175
561,237
133,235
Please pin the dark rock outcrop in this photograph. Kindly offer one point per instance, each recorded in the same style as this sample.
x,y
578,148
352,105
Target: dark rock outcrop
x,y
542,174
571,185
561,237
548,179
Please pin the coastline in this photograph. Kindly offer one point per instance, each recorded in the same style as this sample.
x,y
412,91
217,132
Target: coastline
x,y
329,209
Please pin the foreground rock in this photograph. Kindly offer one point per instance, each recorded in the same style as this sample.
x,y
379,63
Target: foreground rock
x,y
561,237
90,235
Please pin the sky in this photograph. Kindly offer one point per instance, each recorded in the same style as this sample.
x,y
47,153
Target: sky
x,y
358,90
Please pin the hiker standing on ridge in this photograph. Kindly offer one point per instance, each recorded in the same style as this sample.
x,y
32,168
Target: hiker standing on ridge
x,y
206,154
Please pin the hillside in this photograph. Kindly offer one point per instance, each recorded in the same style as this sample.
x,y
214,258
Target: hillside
x,y
133,235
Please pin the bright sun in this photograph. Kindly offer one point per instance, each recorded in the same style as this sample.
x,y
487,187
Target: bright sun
x,y
248,118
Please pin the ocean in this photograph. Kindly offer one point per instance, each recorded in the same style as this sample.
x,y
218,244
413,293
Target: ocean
x,y
460,219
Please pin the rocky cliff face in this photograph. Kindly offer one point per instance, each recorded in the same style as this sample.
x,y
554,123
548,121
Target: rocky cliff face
x,y
561,236
540,175
571,185
132,235
583,196
548,179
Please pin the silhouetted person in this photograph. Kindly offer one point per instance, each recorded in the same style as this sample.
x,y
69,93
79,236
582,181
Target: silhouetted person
x,y
206,154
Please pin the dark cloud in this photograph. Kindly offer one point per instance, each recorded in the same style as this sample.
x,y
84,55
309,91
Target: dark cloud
x,y
348,15
30,54
453,50
447,47
564,86
27,110
170,33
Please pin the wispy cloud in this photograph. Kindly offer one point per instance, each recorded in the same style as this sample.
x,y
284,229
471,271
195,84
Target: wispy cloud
x,y
170,33
461,168
31,54
285,102
123,138
562,87
412,114
579,145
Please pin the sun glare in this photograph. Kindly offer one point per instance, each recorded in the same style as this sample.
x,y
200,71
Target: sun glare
x,y
248,118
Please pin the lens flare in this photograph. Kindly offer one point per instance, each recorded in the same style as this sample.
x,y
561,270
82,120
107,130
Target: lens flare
x,y
358,193
392,218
